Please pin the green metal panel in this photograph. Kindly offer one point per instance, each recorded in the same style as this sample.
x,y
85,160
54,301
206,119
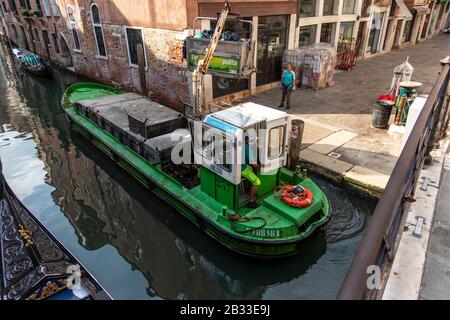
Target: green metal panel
x,y
218,188
208,182
219,64
297,215
268,182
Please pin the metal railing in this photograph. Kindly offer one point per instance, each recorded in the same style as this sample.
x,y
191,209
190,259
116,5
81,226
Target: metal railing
x,y
380,241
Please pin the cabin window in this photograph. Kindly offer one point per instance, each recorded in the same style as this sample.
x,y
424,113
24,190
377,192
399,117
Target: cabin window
x,y
276,141
73,28
55,8
222,151
47,11
98,31
134,37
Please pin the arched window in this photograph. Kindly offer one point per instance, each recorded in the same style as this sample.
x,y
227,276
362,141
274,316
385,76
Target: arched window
x,y
73,28
98,30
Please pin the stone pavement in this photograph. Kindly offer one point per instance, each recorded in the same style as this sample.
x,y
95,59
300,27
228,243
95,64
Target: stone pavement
x,y
436,276
337,119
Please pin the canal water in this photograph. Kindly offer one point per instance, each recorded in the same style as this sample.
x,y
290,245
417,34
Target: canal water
x,y
131,241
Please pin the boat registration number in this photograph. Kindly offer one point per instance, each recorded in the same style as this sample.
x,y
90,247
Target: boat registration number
x,y
266,233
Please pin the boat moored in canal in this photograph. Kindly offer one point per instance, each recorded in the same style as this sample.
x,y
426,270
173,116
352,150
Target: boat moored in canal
x,y
144,138
30,61
34,264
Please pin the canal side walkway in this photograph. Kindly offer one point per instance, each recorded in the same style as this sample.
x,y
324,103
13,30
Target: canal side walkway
x,y
338,140
420,269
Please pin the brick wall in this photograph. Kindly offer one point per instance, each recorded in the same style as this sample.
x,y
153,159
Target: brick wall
x,y
166,72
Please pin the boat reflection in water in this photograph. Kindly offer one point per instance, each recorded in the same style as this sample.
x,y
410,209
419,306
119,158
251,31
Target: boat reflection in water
x,y
132,242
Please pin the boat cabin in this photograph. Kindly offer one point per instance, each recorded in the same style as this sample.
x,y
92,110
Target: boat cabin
x,y
219,150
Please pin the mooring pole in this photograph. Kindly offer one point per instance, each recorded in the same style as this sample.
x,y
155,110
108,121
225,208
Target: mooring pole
x,y
297,127
141,63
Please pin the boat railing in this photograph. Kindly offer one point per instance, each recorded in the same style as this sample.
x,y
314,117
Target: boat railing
x,y
379,244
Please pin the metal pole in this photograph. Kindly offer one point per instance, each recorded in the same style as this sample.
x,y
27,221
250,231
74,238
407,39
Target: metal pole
x,y
141,63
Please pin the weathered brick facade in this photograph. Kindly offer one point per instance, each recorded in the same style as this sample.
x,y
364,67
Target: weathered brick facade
x,y
165,73
165,24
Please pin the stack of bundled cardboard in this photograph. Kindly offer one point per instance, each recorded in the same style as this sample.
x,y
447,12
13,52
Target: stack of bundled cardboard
x,y
318,66
294,57
313,64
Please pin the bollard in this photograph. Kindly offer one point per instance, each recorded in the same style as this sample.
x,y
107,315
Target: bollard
x,y
297,127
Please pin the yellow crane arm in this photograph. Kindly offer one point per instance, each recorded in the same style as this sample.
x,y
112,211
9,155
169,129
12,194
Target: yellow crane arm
x,y
203,63
209,52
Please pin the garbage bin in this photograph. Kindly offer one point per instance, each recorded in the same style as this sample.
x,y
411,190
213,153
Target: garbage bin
x,y
381,113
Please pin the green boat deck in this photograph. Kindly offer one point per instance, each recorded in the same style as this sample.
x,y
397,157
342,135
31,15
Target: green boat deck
x,y
272,222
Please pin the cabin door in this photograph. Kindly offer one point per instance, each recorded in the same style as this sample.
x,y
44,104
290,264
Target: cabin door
x,y
273,149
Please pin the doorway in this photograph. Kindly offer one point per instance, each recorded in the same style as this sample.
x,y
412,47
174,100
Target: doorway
x,y
397,38
375,32
65,52
360,39
272,32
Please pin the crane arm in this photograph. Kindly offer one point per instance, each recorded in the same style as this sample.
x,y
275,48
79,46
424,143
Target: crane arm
x,y
203,63
215,39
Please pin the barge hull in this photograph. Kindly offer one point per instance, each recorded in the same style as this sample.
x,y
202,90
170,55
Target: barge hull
x,y
156,182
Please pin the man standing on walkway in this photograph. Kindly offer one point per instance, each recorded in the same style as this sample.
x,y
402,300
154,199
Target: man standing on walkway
x,y
287,86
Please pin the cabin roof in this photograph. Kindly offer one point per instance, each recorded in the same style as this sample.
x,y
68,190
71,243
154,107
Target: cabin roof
x,y
248,114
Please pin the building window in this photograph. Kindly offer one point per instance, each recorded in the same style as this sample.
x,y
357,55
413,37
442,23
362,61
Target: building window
x,y
348,7
393,9
55,42
407,31
327,32
366,7
15,34
73,28
25,4
307,8
98,31
346,31
55,8
38,5
328,7
47,11
36,35
5,9
46,38
12,6
307,35
134,37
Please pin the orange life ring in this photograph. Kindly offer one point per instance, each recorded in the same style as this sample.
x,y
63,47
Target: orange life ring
x,y
300,200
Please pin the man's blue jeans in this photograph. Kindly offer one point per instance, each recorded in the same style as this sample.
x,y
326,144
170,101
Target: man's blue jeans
x,y
286,96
